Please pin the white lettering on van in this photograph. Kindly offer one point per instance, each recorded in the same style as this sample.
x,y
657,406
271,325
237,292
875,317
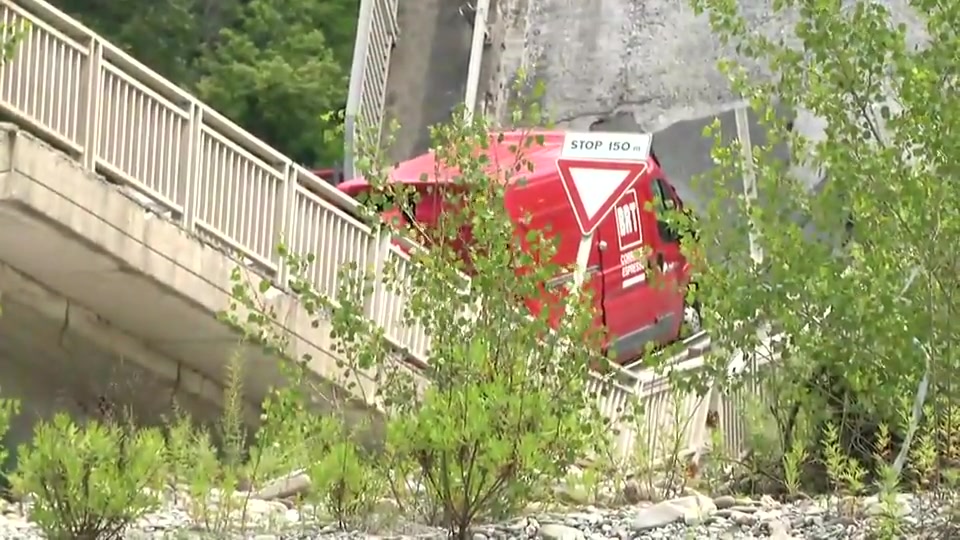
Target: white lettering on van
x,y
627,216
627,222
632,268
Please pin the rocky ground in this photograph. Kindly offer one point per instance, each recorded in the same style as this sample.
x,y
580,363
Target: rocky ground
x,y
690,517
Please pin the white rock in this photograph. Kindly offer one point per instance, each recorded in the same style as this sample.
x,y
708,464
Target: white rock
x,y
556,531
295,483
691,509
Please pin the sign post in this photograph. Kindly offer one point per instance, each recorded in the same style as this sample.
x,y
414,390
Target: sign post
x,y
596,170
749,176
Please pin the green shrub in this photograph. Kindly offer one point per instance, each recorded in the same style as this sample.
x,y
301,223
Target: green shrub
x,y
346,483
91,481
8,409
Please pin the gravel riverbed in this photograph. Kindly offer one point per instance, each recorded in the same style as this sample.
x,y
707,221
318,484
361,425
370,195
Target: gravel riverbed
x,y
690,517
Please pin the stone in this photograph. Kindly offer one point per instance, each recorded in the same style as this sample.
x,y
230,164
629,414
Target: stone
x,y
571,494
724,501
589,518
743,519
533,526
262,511
556,531
769,502
899,506
631,492
779,530
290,485
656,516
691,509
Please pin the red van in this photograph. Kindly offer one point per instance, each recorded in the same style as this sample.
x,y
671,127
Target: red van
x,y
634,311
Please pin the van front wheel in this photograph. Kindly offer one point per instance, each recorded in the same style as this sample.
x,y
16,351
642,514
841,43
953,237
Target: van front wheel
x,y
692,319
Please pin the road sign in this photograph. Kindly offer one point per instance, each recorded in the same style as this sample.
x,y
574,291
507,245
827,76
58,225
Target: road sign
x,y
602,145
596,169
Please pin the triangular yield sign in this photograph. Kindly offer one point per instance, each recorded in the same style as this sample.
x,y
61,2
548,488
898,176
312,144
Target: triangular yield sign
x,y
593,187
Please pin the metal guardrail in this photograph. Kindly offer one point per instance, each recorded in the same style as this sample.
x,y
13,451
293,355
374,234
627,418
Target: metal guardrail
x,y
477,48
377,33
120,119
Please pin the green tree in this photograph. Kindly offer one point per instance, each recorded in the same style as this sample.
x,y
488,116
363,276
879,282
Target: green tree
x,y
276,67
507,407
166,36
860,273
275,73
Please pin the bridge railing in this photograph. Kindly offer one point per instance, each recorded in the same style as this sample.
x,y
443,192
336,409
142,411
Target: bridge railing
x,y
122,120
377,33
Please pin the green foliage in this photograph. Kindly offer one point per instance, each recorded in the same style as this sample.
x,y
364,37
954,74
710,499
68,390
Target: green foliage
x,y
348,484
109,478
233,432
859,274
276,73
292,436
12,34
166,36
276,67
195,463
9,408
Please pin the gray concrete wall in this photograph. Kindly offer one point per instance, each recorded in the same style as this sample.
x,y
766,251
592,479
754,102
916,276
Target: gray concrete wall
x,y
637,65
428,71
652,61
51,363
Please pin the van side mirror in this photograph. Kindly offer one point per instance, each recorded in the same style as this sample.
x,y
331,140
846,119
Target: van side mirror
x,y
667,233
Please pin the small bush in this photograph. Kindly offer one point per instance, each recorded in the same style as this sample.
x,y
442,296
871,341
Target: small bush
x,y
90,482
8,409
347,485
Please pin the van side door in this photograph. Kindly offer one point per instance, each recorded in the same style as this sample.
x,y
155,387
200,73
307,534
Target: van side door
x,y
630,305
667,261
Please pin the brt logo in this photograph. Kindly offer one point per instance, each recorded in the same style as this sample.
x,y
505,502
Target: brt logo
x,y
628,221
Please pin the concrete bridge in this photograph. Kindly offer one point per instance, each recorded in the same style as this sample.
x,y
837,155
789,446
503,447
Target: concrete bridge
x,y
126,208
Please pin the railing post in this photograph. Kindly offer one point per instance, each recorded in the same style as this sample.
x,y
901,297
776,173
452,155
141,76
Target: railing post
x,y
285,220
477,48
191,155
90,105
380,248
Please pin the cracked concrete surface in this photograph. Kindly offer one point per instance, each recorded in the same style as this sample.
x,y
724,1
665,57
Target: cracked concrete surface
x,y
629,65
653,59
50,366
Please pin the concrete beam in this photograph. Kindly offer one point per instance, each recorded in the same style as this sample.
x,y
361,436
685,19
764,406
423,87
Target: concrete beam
x,y
99,331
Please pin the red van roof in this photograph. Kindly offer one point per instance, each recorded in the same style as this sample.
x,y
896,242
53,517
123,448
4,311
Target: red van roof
x,y
502,158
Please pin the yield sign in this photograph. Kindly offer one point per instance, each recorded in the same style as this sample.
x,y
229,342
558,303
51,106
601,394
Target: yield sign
x,y
593,187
